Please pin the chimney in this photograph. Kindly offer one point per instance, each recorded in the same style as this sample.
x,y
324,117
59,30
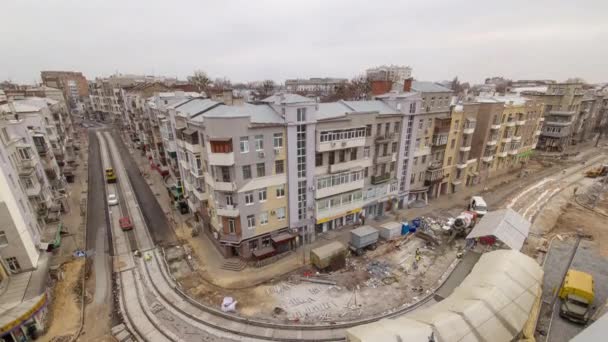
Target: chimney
x,y
380,87
407,85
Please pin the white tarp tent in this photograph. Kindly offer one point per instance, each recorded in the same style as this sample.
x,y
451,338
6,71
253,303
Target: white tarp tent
x,y
504,224
492,304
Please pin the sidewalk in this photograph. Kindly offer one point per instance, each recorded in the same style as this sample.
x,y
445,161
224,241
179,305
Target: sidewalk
x,y
495,191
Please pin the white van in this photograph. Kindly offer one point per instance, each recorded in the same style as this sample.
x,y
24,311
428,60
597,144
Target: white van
x,y
478,205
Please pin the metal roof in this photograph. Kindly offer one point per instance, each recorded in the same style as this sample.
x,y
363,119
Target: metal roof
x,y
286,98
258,113
429,87
506,225
493,303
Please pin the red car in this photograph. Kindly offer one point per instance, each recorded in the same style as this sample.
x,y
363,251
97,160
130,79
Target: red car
x,y
125,223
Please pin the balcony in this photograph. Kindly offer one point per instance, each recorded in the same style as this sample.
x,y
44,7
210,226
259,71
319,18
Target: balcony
x,y
468,130
34,190
384,137
26,166
461,165
507,139
220,184
520,122
381,178
383,158
562,112
465,148
433,176
514,151
488,158
340,144
510,123
492,142
349,165
517,138
221,159
558,123
502,154
200,194
495,126
184,164
440,139
338,189
338,211
228,211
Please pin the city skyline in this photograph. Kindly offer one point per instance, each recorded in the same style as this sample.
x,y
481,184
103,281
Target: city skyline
x,y
439,40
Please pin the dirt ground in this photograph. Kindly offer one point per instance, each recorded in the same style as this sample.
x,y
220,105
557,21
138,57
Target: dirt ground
x,y
379,281
64,311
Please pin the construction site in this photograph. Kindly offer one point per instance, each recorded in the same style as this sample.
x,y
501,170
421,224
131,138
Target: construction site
x,y
409,270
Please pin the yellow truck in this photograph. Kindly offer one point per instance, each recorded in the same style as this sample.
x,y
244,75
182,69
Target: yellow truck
x,y
110,175
577,296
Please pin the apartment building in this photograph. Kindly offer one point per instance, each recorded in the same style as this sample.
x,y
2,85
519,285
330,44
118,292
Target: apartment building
x,y
461,165
357,161
72,84
315,85
562,105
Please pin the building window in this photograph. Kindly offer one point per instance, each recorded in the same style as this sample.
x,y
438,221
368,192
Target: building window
x,y
331,158
24,153
342,156
412,178
301,150
319,159
229,200
244,144
262,195
387,128
280,213
261,169
3,239
266,241
278,140
280,191
452,143
366,152
397,127
412,107
27,183
449,161
366,172
279,166
301,200
251,221
301,115
231,226
394,147
353,153
392,166
421,124
415,160
246,171
378,129
253,245
259,142
263,218
368,130
13,264
249,198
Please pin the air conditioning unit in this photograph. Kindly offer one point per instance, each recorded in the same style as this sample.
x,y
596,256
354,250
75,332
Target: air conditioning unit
x,y
261,154
311,188
272,212
343,143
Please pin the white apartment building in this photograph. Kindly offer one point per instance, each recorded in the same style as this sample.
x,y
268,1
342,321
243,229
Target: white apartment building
x,y
315,85
393,73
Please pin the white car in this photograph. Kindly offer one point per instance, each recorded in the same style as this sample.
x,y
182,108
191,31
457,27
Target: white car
x,y
478,205
112,199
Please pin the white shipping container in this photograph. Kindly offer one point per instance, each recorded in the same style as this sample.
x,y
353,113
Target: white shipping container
x,y
390,230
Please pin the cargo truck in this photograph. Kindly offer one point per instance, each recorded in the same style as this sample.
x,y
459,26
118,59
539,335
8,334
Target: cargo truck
x,y
577,296
362,238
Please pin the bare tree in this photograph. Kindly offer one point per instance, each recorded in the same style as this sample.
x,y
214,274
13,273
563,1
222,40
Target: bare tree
x,y
200,80
267,88
222,83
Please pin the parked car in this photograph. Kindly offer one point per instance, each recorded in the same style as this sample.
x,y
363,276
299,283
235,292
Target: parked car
x,y
125,223
112,199
478,205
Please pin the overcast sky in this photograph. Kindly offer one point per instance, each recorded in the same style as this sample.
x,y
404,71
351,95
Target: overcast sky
x,y
279,39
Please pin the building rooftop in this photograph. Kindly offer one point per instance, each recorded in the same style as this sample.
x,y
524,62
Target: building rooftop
x,y
536,89
429,87
285,98
330,110
195,106
19,107
507,99
258,113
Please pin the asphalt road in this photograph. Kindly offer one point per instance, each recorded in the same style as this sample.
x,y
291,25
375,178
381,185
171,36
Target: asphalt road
x,y
98,238
155,218
587,259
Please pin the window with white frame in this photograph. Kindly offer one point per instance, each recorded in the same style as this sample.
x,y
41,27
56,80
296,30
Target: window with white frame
x,y
13,264
259,142
278,140
249,198
229,200
231,226
27,182
3,239
280,191
280,213
244,144
366,151
251,221
262,195
24,153
301,114
263,218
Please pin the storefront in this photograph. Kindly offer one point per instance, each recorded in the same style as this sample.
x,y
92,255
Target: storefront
x,y
334,222
24,322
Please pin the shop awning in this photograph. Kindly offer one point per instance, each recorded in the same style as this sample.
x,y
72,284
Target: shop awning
x,y
283,237
262,252
188,131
